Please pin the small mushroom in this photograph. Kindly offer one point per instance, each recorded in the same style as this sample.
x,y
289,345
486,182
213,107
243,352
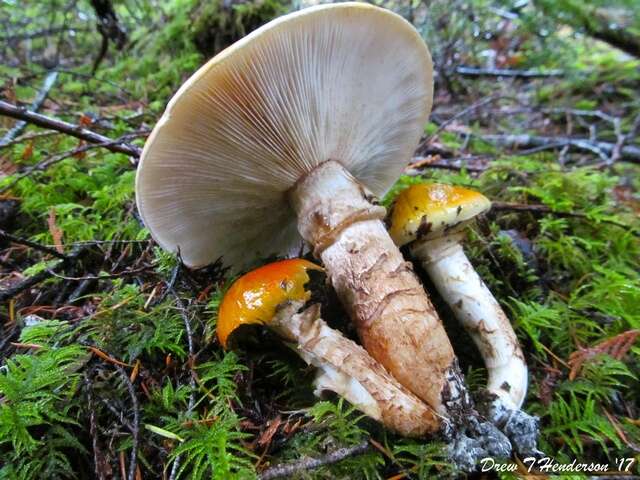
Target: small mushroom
x,y
292,132
430,218
273,295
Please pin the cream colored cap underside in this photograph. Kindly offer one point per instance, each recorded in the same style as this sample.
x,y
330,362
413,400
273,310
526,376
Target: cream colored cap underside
x,y
349,82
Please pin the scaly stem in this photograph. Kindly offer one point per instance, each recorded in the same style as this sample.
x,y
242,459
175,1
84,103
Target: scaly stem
x,y
395,320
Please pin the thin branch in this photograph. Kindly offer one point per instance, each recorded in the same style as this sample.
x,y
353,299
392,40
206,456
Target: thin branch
x,y
49,80
31,136
46,32
462,113
29,243
126,273
419,164
136,422
503,72
20,113
77,74
288,469
6,337
98,458
192,382
118,414
630,153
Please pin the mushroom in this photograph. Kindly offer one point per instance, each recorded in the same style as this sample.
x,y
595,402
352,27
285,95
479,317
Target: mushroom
x,y
292,132
273,295
430,218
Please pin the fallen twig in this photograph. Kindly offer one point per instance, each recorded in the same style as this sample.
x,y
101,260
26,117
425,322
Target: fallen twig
x,y
91,243
503,72
192,382
288,469
29,243
419,164
30,136
98,457
125,273
119,414
41,33
20,113
43,165
630,153
49,80
474,106
136,422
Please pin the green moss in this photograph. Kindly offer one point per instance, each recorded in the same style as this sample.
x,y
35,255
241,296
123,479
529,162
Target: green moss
x,y
218,24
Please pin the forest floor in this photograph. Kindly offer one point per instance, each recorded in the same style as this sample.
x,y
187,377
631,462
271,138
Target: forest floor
x,y
109,366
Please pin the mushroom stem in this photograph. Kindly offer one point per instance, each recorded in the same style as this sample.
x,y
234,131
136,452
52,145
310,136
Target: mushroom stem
x,y
482,317
346,369
395,320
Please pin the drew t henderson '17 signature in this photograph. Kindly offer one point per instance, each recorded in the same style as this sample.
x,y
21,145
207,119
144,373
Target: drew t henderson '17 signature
x,y
549,465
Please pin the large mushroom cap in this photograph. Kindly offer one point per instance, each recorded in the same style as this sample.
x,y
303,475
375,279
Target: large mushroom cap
x,y
427,210
349,82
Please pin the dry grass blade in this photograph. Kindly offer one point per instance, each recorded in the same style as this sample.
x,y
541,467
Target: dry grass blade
x,y
55,231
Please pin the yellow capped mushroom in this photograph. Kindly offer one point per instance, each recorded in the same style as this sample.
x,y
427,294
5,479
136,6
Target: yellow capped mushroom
x,y
430,218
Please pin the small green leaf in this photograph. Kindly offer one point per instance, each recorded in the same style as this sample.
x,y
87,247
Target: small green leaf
x,y
162,432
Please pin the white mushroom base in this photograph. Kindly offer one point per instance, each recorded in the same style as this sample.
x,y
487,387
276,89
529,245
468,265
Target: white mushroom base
x,y
521,429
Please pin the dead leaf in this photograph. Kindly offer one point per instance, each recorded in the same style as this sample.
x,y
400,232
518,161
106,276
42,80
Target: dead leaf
x,y
9,93
55,231
80,155
134,372
616,426
424,162
7,167
267,435
548,384
27,153
85,120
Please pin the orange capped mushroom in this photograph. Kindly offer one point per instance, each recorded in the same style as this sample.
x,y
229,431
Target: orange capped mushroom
x,y
254,297
274,295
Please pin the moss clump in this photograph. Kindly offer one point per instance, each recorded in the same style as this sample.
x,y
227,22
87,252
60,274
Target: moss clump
x,y
221,23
